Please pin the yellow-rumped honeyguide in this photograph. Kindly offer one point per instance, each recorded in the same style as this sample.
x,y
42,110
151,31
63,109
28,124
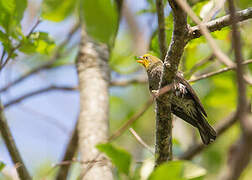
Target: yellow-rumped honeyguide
x,y
184,102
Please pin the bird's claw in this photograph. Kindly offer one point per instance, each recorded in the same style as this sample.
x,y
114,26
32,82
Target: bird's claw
x,y
155,93
167,65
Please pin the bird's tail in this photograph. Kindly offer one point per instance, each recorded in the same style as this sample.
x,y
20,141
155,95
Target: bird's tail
x,y
207,133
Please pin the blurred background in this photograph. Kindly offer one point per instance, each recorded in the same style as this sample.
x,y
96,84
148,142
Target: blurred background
x,y
42,124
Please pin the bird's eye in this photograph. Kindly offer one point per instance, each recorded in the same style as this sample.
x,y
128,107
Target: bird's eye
x,y
146,57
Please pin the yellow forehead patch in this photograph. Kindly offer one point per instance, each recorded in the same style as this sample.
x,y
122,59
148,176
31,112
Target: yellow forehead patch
x,y
146,55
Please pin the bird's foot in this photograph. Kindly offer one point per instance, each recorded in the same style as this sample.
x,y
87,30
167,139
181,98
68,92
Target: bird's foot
x,y
155,93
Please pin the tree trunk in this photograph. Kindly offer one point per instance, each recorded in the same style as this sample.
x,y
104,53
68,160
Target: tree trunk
x,y
93,74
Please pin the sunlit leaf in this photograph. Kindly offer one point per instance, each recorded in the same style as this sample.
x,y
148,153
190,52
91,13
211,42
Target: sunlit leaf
x,y
11,14
197,9
171,170
193,171
38,42
57,10
154,46
119,157
100,18
178,170
2,165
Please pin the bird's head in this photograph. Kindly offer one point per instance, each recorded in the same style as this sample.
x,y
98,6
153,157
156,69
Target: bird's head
x,y
148,60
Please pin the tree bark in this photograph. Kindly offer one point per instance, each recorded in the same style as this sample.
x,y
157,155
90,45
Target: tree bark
x,y
93,74
163,146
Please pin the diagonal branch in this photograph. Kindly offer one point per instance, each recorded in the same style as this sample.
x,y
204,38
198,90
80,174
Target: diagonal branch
x,y
222,57
36,92
220,129
46,65
240,152
139,139
68,156
127,124
220,23
214,73
128,82
12,148
12,51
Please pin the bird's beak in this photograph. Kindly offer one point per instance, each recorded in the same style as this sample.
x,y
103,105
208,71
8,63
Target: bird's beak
x,y
140,59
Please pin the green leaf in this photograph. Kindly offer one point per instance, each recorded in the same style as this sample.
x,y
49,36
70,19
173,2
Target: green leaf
x,y
154,46
192,171
119,157
39,42
57,10
11,14
197,10
122,60
178,170
170,170
2,165
100,18
6,42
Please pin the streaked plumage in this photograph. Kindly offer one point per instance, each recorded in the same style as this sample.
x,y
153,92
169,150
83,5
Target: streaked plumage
x,y
184,102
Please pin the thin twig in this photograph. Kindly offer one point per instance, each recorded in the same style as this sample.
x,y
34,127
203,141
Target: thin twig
x,y
161,28
220,129
216,50
128,82
2,57
127,124
214,10
199,64
70,151
240,152
119,83
207,75
18,45
220,23
119,132
141,141
36,92
33,28
46,65
12,148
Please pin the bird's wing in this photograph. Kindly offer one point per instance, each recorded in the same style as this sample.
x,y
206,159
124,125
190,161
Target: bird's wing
x,y
192,93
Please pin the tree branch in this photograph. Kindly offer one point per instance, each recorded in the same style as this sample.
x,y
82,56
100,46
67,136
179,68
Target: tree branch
x,y
116,83
220,129
199,64
128,82
127,124
219,23
161,28
68,156
46,65
222,57
240,153
12,148
36,92
17,46
214,73
139,139
163,146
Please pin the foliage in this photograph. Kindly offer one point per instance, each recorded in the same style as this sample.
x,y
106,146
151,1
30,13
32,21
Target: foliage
x,y
119,157
53,12
218,94
178,170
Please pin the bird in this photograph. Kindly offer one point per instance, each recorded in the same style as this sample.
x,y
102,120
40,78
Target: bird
x,y
185,104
